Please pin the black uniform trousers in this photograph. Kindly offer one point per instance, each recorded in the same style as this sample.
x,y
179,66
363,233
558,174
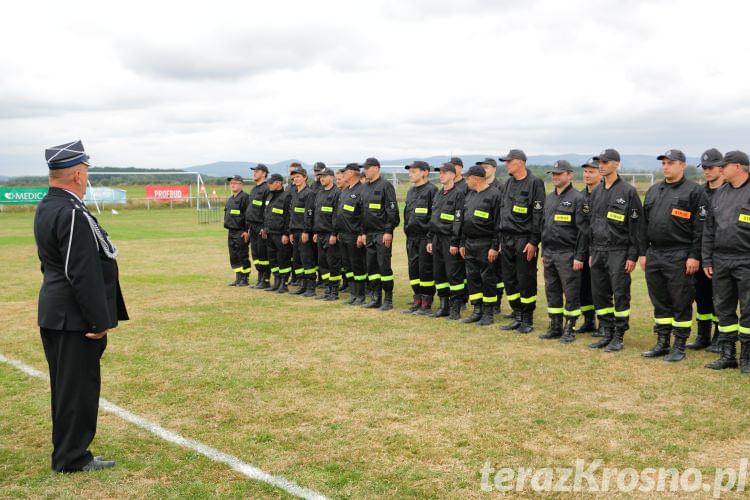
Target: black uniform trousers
x,y
329,258
239,257
519,274
379,272
587,302
353,256
671,290
560,279
609,280
75,383
449,270
704,297
421,276
303,257
480,272
499,275
731,277
279,255
258,249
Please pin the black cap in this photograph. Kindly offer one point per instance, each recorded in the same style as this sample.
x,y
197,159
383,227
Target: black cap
x,y
260,167
711,158
446,167
674,155
66,155
476,170
608,155
457,161
319,165
560,167
353,166
298,170
236,178
371,162
591,162
327,171
418,164
274,178
487,161
735,157
514,154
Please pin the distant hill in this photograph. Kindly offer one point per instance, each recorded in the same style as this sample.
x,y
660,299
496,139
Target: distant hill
x,y
227,168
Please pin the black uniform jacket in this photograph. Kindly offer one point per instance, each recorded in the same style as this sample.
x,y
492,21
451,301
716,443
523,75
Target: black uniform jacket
x,y
258,197
481,216
522,208
379,207
727,230
320,209
566,223
234,211
276,216
615,216
348,216
445,219
298,207
81,289
417,209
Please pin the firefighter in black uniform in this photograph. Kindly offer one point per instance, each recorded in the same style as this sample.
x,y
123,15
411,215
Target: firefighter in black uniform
x,y
704,298
460,185
444,240
521,231
294,279
276,233
490,167
416,226
565,235
615,212
319,227
347,276
671,229
348,226
234,221
591,178
726,259
303,264
480,221
79,303
254,222
379,218
317,185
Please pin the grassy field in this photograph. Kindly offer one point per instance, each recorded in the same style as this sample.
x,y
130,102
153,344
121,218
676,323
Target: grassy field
x,y
347,402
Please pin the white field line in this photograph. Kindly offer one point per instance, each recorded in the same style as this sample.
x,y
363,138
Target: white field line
x,y
212,453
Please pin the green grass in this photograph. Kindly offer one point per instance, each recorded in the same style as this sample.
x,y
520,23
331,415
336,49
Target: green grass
x,y
347,402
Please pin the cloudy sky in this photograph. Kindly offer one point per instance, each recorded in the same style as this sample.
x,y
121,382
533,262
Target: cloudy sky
x,y
174,84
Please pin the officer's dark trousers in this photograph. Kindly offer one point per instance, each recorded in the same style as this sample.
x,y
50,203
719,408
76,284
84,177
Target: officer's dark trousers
x,y
75,383
421,277
499,275
258,249
587,302
731,285
560,279
353,255
671,290
609,280
519,274
329,258
379,272
449,270
480,272
238,252
303,257
704,297
279,255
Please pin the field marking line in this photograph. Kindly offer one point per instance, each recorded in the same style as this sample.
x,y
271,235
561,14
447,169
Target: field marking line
x,y
235,463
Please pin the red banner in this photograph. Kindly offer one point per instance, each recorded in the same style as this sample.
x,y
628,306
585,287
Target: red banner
x,y
167,193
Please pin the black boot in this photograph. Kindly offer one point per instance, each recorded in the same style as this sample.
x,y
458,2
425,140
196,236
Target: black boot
x,y
527,323
283,288
426,307
728,357
244,279
387,301
301,290
442,309
616,344
322,284
569,332
414,306
476,314
715,347
555,329
488,315
589,322
309,285
599,331
606,337
236,279
375,300
677,353
745,356
661,348
295,279
276,284
702,335
454,309
325,294
258,284
516,321
359,295
333,292
263,278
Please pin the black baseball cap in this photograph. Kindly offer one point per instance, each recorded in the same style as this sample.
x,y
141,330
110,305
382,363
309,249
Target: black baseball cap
x,y
446,167
735,157
327,171
236,178
371,162
487,161
274,178
456,161
476,170
608,155
319,165
260,167
514,154
353,166
418,164
711,158
591,162
560,167
674,155
298,170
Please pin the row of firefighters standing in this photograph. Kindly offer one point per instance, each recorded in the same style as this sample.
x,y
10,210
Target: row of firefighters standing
x,y
475,237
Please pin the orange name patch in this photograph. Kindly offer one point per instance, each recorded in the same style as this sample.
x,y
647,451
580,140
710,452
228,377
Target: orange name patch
x,y
682,214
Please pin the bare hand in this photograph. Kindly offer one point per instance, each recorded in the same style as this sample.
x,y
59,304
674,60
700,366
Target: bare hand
x,y
263,234
361,240
643,262
332,240
429,248
709,272
387,240
577,265
246,236
315,238
291,239
284,239
629,266
462,251
492,255
96,336
589,261
542,259
305,237
692,266
453,250
530,251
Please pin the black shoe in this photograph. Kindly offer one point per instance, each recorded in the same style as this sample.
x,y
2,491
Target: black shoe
x,y
715,347
678,350
589,322
375,301
728,357
98,463
414,306
442,310
661,348
387,304
244,280
301,290
475,316
616,344
702,336
555,330
359,300
309,288
516,315
283,288
263,278
276,284
527,323
604,341
332,294
237,278
569,332
454,310
488,316
745,356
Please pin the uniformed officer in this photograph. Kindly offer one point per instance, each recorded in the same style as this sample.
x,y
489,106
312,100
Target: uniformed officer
x,y
480,221
704,298
254,222
615,211
348,225
460,184
379,218
294,279
319,227
726,259
276,233
565,239
444,240
671,230
304,266
490,168
521,230
347,276
79,303
416,226
317,185
591,178
234,221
